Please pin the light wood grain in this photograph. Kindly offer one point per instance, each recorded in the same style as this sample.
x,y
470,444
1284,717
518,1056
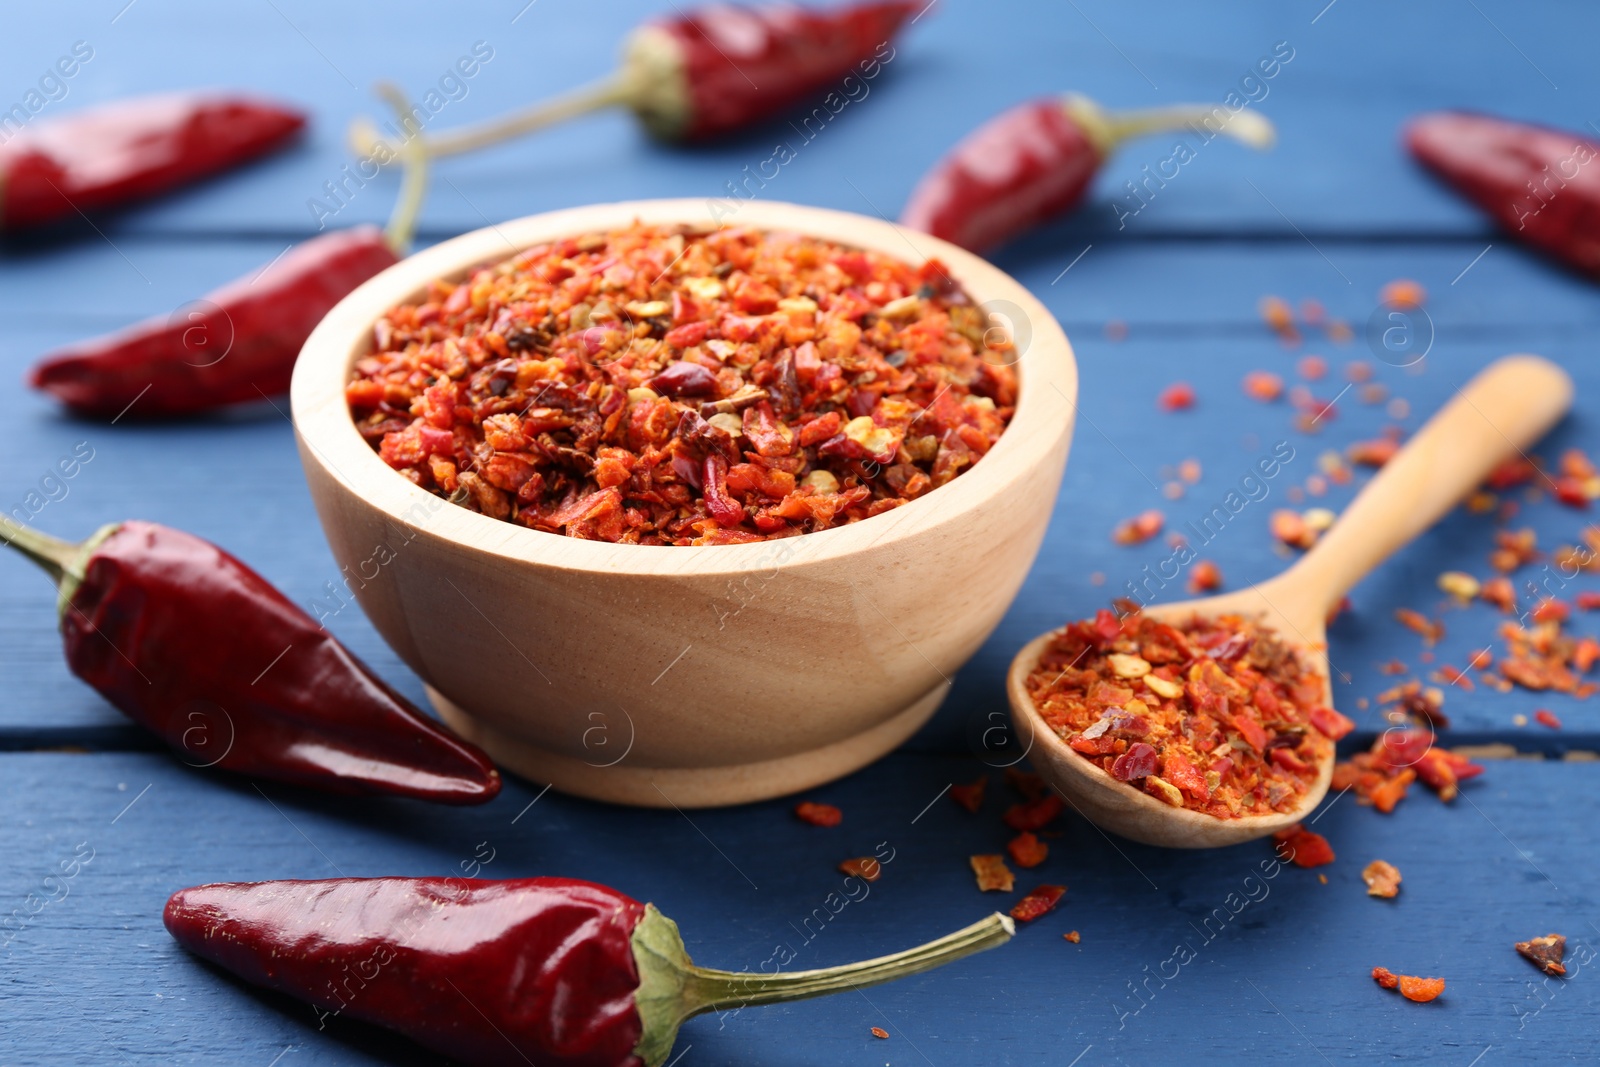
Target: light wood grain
x,y
1497,415
746,670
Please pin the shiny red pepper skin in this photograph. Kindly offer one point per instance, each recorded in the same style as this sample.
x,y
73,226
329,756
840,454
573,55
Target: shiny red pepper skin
x,y
743,64
111,154
186,640
1020,168
173,366
533,970
1539,183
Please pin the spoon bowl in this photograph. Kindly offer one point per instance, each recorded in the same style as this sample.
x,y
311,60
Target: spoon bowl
x,y
1502,411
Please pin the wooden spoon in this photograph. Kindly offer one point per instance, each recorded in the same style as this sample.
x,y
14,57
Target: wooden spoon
x,y
1502,411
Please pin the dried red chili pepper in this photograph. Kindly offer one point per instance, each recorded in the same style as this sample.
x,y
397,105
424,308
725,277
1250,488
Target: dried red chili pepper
x,y
970,796
1037,903
111,154
551,971
240,342
707,72
818,814
1036,161
196,647
1533,180
1545,953
1302,847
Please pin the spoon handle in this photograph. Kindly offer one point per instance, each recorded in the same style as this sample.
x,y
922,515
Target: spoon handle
x,y
1494,417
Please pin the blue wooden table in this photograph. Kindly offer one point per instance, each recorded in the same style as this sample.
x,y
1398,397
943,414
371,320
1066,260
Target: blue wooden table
x,y
1184,957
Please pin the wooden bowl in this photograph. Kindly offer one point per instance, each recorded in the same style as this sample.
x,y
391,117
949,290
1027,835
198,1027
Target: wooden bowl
x,y
686,676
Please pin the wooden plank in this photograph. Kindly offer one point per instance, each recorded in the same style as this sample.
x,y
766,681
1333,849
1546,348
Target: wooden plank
x,y
1279,965
1191,315
1358,71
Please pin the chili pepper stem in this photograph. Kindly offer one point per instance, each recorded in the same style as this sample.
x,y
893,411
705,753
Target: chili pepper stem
x,y
1108,129
616,90
62,560
402,225
672,989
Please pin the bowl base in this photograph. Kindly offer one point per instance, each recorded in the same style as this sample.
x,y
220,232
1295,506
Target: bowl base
x,y
691,787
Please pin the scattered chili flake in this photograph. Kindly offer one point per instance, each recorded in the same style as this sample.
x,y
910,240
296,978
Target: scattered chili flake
x,y
1339,331
1263,386
666,385
1176,397
970,796
1381,776
880,1032
1402,293
1513,549
1373,453
1312,368
1205,577
1189,470
1461,585
1429,630
1382,878
1073,936
1218,715
1027,850
818,814
1277,314
1424,705
1140,528
1420,990
867,868
1546,953
1290,528
1038,902
993,874
1499,592
1034,814
1547,718
1358,371
1551,610
1393,666
1302,847
1385,977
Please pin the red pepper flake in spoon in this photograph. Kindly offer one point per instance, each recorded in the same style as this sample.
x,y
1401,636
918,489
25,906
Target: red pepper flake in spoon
x,y
1037,903
1302,847
1218,715
1545,953
818,814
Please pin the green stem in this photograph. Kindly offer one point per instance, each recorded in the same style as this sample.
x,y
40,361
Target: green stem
x,y
402,226
710,989
1108,129
368,142
63,561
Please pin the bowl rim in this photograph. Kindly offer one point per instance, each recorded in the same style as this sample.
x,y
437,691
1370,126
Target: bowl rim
x,y
1045,412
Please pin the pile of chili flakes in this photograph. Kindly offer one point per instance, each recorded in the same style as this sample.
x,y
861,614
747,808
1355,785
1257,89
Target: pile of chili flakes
x,y
664,385
1219,716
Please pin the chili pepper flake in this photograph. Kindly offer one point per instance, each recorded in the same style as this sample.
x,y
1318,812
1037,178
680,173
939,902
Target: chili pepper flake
x,y
880,1032
1402,293
970,796
663,385
1037,903
1500,593
1179,396
1302,847
867,868
1374,453
1263,386
818,814
1311,368
1547,718
1429,630
1382,878
992,873
1034,814
1217,715
1546,953
1290,528
1073,936
1385,977
1027,850
1140,528
1205,577
1277,314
